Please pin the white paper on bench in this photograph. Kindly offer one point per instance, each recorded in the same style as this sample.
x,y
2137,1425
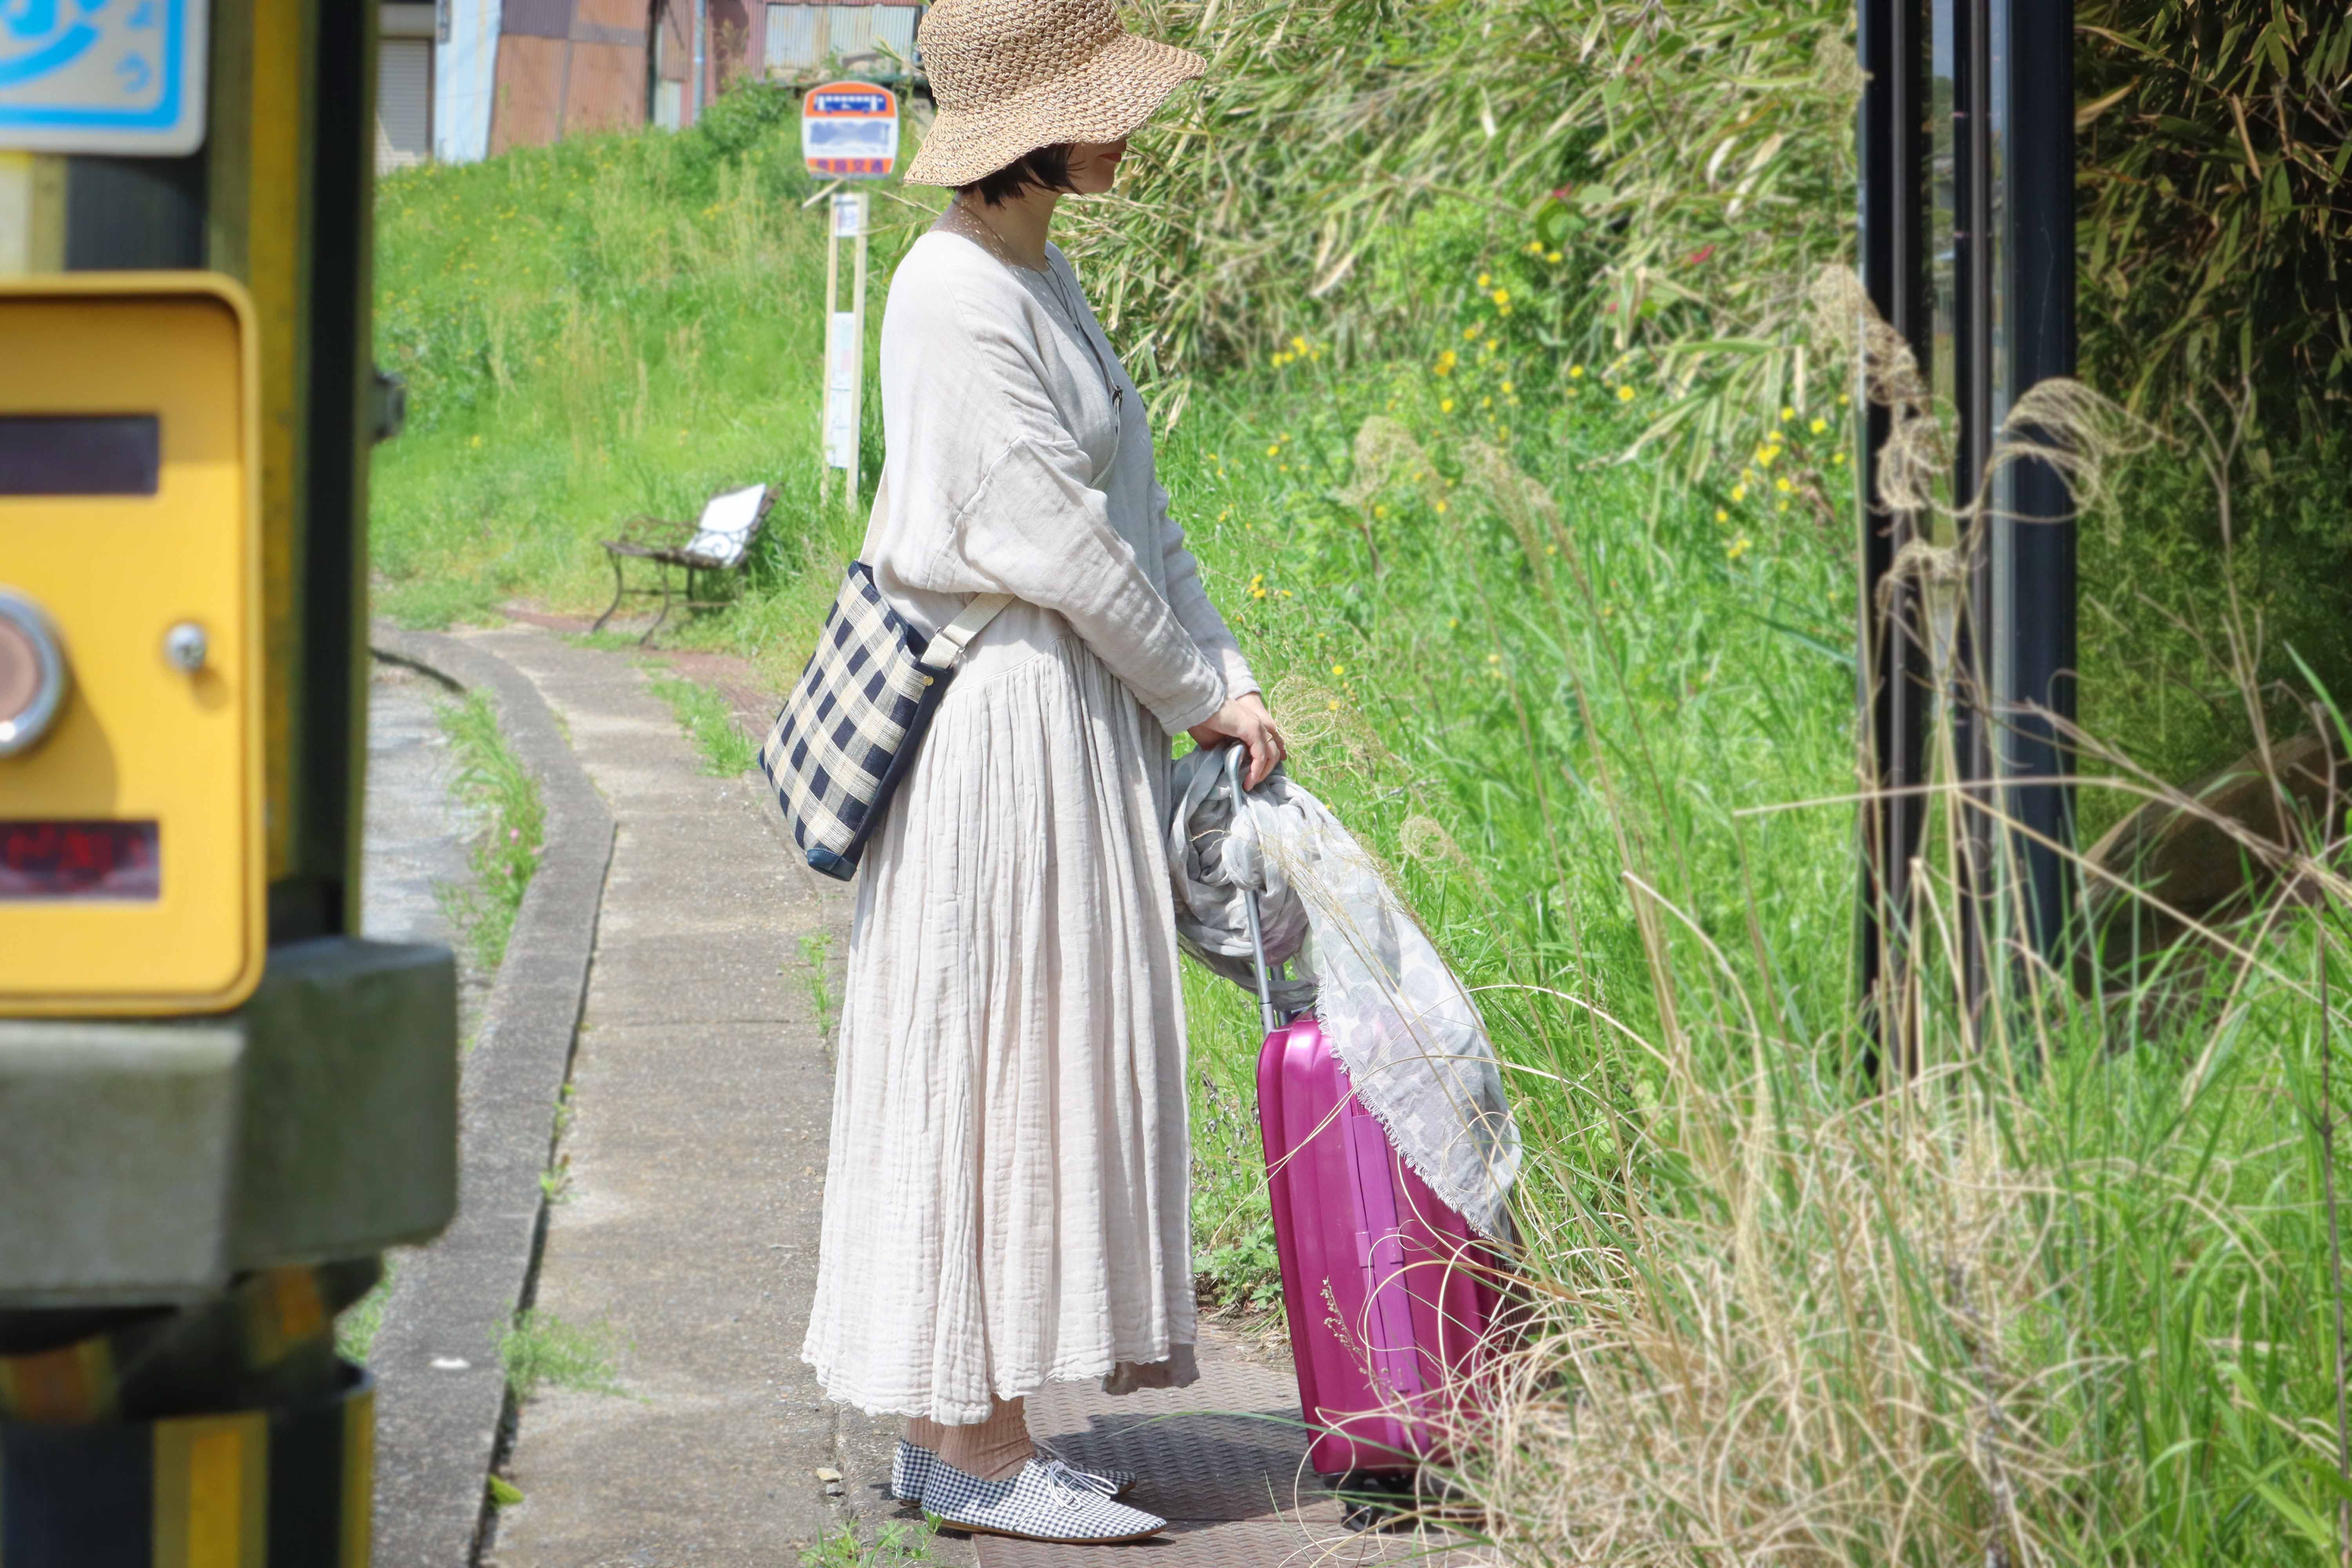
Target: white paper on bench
x,y
725,531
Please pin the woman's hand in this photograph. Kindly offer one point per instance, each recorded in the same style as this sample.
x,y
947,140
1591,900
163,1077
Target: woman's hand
x,y
1243,719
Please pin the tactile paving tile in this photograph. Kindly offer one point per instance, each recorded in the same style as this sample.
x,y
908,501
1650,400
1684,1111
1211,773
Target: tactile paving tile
x,y
1230,1447
1224,1462
1257,1543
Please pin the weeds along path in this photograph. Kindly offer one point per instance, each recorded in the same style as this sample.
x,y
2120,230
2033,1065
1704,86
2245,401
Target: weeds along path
x,y
669,1418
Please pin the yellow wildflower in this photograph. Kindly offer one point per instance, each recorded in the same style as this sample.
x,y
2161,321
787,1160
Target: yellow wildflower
x,y
1787,413
1273,451
1469,331
1624,395
1502,296
1782,507
1844,399
475,441
1338,669
1576,373
1494,658
1502,310
1452,623
1554,258
1298,346
1818,426
1765,456
1837,459
1721,515
1380,511
1739,492
1491,345
1783,485
1446,405
1738,547
1508,389
1440,507
1484,280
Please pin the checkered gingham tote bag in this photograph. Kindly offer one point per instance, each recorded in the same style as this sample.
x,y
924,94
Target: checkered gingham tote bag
x,y
850,730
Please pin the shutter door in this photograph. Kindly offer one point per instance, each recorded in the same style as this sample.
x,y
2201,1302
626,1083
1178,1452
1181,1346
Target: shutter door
x,y
403,103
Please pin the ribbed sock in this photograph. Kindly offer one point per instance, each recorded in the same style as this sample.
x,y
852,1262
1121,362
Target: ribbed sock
x,y
990,1449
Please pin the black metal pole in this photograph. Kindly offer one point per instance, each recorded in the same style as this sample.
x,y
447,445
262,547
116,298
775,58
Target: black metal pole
x,y
1975,235
1892,677
2032,534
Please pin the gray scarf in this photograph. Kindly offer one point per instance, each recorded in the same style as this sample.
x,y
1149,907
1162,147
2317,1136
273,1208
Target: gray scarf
x,y
1413,1045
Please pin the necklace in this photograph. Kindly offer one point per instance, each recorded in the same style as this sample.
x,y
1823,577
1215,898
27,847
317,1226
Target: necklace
x,y
960,218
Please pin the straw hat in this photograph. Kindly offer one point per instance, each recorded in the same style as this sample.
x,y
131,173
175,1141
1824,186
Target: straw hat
x,y
1013,76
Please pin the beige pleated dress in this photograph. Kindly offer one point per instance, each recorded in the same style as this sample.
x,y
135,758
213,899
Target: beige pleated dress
x,y
1006,1199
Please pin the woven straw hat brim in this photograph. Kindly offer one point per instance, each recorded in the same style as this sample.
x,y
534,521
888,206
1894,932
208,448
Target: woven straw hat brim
x,y
1102,100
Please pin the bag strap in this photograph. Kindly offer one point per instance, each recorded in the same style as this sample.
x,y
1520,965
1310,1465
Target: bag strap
x,y
952,637
967,626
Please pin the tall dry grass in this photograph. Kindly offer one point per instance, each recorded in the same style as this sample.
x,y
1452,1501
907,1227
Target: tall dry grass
x,y
2069,1292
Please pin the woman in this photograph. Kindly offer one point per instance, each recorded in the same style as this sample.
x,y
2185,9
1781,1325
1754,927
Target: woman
x,y
1006,1199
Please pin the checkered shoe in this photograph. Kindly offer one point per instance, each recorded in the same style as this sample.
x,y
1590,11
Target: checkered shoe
x,y
911,1466
1045,1500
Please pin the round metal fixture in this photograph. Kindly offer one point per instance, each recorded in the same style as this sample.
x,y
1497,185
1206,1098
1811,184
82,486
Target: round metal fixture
x,y
185,646
34,675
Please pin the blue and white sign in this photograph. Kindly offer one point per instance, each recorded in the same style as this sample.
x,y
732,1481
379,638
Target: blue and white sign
x,y
102,75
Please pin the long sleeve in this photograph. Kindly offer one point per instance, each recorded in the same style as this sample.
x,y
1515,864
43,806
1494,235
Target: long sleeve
x,y
1035,530
1190,600
993,491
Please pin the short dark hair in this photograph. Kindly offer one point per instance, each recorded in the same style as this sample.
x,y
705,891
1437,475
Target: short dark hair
x,y
1047,166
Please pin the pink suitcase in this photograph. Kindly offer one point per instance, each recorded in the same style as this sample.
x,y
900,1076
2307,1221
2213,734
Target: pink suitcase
x,y
1389,1292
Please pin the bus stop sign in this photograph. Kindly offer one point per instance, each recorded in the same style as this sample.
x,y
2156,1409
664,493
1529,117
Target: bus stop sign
x,y
849,130
102,75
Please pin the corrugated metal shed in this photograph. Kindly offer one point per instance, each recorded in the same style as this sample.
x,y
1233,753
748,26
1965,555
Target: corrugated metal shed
x,y
805,41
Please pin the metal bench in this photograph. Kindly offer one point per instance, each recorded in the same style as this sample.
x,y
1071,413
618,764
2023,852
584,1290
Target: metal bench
x,y
718,541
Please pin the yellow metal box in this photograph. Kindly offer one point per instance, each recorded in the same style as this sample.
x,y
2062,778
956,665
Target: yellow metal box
x,y
131,841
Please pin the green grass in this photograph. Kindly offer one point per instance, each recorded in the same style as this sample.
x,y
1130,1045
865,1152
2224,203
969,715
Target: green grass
x,y
542,1349
357,1325
577,354
506,853
817,953
707,719
894,1542
2060,1299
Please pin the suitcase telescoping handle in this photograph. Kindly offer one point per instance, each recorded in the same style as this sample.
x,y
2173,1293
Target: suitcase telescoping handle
x,y
1235,756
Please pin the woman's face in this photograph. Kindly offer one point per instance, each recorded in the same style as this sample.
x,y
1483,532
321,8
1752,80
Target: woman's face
x,y
1095,165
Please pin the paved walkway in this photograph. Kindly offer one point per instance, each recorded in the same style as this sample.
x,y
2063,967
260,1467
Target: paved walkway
x,y
417,832
686,1231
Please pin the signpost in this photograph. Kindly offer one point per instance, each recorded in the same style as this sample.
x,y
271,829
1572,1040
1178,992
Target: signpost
x,y
849,130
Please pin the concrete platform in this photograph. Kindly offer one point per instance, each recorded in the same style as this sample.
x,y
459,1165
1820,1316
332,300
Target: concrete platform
x,y
686,1231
